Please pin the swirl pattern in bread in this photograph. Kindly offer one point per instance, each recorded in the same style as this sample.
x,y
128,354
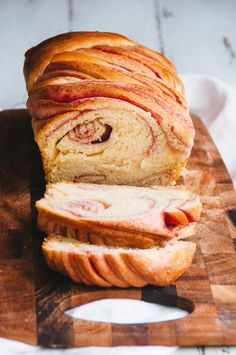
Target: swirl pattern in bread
x,y
107,110
127,216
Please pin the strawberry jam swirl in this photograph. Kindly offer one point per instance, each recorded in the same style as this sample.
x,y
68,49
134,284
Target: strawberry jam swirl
x,y
92,207
90,132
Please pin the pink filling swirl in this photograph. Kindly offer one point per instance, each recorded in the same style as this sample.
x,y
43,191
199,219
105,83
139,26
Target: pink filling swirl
x,y
78,208
90,132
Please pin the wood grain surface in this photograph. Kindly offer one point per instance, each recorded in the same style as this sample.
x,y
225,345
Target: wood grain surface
x,y
33,298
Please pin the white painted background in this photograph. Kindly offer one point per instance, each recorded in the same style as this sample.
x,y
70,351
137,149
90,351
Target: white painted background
x,y
199,36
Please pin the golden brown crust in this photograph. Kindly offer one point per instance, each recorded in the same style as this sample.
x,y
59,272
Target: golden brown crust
x,y
118,267
38,57
102,267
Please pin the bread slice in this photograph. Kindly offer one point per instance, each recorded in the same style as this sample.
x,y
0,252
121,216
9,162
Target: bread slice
x,y
118,215
122,267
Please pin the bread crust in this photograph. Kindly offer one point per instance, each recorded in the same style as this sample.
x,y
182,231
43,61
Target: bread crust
x,y
38,57
51,223
118,267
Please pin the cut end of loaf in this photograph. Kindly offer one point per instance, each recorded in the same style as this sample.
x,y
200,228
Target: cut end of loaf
x,y
107,110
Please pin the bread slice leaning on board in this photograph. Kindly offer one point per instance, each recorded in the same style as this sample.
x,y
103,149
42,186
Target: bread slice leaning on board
x,y
107,110
123,267
134,231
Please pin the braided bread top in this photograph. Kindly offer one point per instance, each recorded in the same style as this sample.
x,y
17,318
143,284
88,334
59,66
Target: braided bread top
x,y
39,57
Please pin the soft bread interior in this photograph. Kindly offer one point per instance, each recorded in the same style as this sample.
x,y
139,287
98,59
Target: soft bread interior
x,y
134,151
93,201
109,210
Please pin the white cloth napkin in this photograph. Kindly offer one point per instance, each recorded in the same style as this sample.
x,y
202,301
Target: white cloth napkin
x,y
215,103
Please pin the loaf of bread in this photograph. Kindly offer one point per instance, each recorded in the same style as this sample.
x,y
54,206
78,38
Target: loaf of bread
x,y
107,110
123,267
127,216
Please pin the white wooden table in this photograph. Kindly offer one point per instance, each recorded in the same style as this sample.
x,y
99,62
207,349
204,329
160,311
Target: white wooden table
x,y
197,35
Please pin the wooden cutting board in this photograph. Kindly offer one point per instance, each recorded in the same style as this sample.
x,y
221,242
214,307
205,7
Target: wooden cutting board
x,y
33,298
